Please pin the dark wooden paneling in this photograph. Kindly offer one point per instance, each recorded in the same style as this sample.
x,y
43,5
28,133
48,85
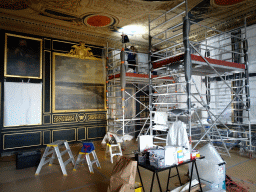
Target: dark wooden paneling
x,y
81,134
47,44
96,132
21,140
27,137
47,81
47,119
61,46
46,137
101,132
64,134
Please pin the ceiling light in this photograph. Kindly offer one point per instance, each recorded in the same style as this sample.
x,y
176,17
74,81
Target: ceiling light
x,y
133,29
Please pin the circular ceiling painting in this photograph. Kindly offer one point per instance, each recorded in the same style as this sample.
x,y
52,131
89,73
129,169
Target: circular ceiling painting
x,y
99,20
227,2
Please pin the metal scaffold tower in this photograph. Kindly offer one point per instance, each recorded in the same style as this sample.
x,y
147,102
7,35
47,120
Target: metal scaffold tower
x,y
127,95
210,87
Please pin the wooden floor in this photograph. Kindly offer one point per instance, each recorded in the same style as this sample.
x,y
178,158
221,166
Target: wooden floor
x,y
240,168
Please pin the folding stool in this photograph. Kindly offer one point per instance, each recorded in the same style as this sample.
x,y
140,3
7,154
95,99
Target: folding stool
x,y
110,150
87,149
55,151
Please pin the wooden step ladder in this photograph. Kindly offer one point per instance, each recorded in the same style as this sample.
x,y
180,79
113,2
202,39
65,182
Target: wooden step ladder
x,y
53,148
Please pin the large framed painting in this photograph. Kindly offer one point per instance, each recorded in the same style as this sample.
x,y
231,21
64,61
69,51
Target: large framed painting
x,y
23,57
78,84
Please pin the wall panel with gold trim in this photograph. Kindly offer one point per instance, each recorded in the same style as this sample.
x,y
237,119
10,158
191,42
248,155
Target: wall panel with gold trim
x,y
47,82
68,134
22,140
96,132
70,125
81,134
47,137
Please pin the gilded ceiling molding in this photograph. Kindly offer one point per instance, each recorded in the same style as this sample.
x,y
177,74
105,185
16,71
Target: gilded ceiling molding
x,y
13,23
64,5
48,30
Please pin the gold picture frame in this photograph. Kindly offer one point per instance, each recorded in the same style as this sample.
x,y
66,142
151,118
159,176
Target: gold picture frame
x,y
76,84
23,57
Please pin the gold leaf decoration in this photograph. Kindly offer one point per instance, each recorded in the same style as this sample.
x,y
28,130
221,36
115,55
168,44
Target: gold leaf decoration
x,y
81,52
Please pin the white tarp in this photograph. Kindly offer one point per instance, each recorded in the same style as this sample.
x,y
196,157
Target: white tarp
x,y
119,139
22,103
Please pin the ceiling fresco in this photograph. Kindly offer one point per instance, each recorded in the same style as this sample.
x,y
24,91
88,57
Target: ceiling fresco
x,y
101,21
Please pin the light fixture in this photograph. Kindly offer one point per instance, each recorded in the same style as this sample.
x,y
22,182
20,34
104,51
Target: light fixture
x,y
133,30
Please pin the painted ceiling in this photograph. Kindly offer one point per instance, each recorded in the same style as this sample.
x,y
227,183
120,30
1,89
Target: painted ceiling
x,y
101,21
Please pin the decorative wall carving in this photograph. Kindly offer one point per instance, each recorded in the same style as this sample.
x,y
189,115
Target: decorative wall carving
x,y
78,117
81,51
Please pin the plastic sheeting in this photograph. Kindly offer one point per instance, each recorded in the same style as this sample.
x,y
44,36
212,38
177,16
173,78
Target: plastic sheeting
x,y
211,169
107,138
177,135
161,118
119,139
160,127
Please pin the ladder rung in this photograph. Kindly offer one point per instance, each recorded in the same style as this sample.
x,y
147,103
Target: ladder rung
x,y
47,161
68,161
58,142
160,138
63,152
50,152
94,161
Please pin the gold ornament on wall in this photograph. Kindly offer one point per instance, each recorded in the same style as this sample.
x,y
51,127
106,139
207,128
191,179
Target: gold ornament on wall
x,y
81,52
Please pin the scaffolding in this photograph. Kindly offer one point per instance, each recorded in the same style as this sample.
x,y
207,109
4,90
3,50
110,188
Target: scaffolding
x,y
210,87
127,95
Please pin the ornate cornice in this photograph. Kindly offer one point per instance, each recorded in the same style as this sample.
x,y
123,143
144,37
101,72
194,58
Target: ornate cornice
x,y
23,25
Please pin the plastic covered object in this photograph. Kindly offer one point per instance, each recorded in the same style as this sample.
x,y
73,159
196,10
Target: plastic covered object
x,y
177,135
108,137
127,138
171,155
158,162
211,169
145,142
160,127
211,154
161,118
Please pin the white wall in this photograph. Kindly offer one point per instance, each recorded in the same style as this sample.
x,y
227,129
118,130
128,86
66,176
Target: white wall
x,y
251,37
